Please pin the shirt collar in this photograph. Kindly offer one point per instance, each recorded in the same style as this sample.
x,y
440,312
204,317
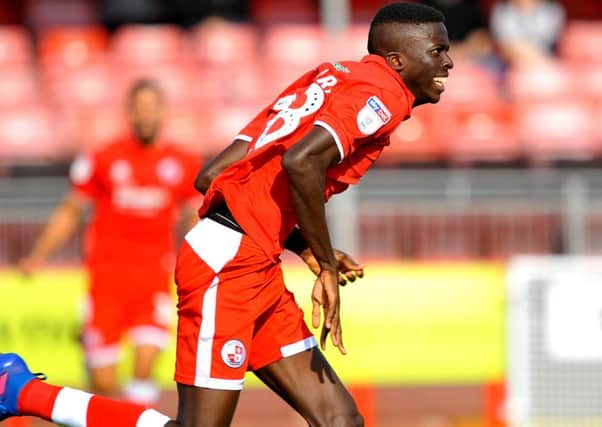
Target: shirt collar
x,y
377,59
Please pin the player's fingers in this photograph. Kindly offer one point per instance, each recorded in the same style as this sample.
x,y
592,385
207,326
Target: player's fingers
x,y
342,279
351,276
337,336
315,313
323,336
330,314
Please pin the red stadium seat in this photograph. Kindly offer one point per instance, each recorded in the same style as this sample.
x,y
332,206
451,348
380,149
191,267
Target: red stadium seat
x,y
303,46
178,80
563,130
246,84
471,86
223,124
73,46
28,135
88,85
268,12
479,133
18,87
581,42
186,129
350,44
544,82
148,44
218,42
414,141
589,81
15,46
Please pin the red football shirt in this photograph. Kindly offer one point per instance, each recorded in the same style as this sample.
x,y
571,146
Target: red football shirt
x,y
136,192
359,103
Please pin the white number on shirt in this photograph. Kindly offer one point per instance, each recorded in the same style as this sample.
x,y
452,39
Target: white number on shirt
x,y
314,99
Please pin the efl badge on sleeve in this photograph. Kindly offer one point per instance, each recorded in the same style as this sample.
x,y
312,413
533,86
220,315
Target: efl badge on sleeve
x,y
373,116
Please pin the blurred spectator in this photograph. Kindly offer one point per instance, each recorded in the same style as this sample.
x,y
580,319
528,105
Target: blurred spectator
x,y
467,30
136,185
527,31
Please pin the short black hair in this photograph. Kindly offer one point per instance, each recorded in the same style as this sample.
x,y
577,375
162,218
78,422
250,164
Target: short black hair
x,y
412,13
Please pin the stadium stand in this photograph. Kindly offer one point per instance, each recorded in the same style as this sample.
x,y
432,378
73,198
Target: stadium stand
x,y
582,42
148,44
221,68
73,46
557,131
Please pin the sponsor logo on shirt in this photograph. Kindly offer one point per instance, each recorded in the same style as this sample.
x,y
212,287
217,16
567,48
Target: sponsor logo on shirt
x,y
379,109
234,353
372,116
142,199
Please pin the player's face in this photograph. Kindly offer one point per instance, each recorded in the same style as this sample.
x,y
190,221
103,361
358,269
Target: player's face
x,y
426,61
146,114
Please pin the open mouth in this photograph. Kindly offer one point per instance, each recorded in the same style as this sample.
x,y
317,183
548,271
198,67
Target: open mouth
x,y
440,82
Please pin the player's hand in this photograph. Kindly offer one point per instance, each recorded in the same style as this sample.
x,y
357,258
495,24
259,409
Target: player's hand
x,y
325,296
348,269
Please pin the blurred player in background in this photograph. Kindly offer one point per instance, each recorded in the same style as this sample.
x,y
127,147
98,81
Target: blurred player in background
x,y
136,187
263,193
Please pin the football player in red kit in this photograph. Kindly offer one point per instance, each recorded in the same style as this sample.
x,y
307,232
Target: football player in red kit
x,y
263,193
137,187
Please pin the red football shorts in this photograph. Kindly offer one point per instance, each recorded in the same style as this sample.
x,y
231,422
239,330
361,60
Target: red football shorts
x,y
126,301
234,312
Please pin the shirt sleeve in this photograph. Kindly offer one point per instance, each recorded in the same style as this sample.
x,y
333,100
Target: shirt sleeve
x,y
359,114
84,175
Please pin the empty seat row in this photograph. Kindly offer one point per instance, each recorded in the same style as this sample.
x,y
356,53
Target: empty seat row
x,y
537,133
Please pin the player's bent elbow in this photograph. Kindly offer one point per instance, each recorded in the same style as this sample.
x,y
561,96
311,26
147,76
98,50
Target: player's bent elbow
x,y
203,181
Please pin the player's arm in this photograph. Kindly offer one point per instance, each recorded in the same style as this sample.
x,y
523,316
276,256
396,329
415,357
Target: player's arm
x,y
60,227
231,154
306,164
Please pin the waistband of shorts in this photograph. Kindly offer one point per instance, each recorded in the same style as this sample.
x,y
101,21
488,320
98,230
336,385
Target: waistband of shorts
x,y
222,215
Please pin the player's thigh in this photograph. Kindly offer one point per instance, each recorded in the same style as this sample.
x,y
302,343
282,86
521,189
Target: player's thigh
x,y
308,383
203,407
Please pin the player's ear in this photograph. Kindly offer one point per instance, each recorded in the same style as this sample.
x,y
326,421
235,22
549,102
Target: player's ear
x,y
396,60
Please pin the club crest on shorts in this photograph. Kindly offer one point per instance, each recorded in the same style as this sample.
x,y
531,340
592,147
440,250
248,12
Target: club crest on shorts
x,y
234,353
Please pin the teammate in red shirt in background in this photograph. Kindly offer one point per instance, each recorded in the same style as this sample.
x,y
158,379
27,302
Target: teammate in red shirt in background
x,y
263,193
136,186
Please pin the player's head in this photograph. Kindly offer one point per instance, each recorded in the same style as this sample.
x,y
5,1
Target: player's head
x,y
413,40
145,108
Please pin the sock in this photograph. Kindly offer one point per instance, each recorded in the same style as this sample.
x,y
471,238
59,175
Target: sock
x,y
143,392
75,408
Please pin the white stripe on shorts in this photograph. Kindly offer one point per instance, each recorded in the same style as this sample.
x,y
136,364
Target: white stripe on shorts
x,y
298,347
216,245
71,407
